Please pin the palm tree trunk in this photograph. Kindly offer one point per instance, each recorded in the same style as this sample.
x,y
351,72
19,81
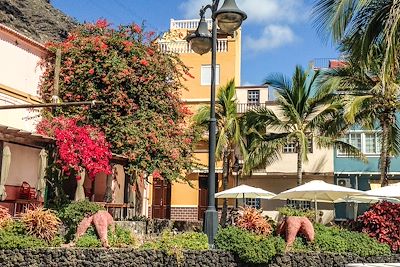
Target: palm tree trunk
x,y
384,157
225,176
299,164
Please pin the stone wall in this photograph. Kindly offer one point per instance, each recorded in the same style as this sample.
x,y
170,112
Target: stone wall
x,y
111,257
130,257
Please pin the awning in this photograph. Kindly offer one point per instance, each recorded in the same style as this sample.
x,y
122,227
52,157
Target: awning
x,y
14,135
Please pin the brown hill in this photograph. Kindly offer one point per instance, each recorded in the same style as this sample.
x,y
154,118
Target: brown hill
x,y
37,19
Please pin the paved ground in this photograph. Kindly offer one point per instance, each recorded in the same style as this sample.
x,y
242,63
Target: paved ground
x,y
373,265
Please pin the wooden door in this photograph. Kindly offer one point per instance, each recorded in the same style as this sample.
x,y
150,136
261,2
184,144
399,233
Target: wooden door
x,y
161,208
203,194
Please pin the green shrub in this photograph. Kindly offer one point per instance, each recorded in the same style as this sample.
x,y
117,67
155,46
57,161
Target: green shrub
x,y
176,244
247,246
122,237
72,215
289,211
337,240
11,240
57,242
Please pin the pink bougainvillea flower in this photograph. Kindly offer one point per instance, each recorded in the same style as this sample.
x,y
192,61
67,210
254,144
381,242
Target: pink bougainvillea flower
x,y
91,71
144,62
102,23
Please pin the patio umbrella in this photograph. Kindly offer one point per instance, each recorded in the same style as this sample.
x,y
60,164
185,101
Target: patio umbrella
x,y
5,168
80,191
386,191
245,191
318,190
41,184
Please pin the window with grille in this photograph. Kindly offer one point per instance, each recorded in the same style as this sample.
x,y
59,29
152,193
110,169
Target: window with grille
x,y
298,204
206,75
291,147
253,202
367,142
253,97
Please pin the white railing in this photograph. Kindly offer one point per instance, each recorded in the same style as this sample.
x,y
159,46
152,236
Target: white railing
x,y
182,47
189,24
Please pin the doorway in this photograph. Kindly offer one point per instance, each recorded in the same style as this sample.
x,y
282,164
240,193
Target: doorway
x,y
161,208
203,194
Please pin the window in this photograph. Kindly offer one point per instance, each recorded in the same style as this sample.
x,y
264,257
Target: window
x,y
206,75
291,147
298,204
253,202
367,142
253,97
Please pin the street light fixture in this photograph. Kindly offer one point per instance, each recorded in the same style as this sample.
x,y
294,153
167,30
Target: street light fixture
x,y
229,18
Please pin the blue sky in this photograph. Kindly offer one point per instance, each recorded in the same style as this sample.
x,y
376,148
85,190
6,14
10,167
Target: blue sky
x,y
277,35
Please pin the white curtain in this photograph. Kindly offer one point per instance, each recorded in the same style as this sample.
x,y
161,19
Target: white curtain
x,y
5,168
41,184
80,192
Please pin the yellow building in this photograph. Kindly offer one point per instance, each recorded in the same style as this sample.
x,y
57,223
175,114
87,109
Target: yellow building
x,y
181,201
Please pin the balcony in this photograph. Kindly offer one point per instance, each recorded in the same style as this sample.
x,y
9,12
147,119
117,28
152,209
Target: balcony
x,y
183,47
244,107
187,24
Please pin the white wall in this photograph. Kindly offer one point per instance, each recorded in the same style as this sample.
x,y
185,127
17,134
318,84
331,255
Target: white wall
x,y
23,119
19,64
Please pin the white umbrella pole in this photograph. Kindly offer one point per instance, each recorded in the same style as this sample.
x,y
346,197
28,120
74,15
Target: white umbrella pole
x,y
244,201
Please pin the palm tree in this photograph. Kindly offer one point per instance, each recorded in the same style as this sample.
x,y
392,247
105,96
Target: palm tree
x,y
302,112
229,133
367,31
368,105
363,25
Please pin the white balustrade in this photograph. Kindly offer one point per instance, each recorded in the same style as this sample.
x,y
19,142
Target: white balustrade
x,y
182,46
189,24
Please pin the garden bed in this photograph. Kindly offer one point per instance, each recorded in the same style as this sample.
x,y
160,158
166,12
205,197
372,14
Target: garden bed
x,y
131,257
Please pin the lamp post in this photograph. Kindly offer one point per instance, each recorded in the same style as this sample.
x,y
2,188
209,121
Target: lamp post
x,y
236,168
229,18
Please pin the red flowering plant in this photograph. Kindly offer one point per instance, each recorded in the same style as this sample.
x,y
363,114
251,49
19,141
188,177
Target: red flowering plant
x,y
143,116
382,221
77,146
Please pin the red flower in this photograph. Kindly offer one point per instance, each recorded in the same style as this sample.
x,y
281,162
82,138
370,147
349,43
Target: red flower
x,y
136,28
150,52
91,71
102,23
156,174
144,62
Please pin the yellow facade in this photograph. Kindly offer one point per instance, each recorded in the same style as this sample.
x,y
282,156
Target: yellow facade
x,y
196,94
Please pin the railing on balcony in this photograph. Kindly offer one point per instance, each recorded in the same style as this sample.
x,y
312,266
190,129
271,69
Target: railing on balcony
x,y
189,24
244,107
182,46
326,63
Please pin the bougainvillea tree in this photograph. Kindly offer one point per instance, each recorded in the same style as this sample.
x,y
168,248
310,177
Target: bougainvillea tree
x,y
77,146
143,117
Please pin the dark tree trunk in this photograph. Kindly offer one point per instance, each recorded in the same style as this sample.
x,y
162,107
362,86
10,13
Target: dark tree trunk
x,y
384,157
299,164
225,176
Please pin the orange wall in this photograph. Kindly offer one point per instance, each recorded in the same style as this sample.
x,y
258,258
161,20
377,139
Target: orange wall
x,y
227,67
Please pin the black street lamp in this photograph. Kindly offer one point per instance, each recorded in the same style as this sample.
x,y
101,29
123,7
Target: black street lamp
x,y
236,168
229,18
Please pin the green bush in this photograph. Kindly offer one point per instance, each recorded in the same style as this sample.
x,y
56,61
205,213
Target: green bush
x,y
13,240
337,240
247,246
289,211
120,238
175,244
72,215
